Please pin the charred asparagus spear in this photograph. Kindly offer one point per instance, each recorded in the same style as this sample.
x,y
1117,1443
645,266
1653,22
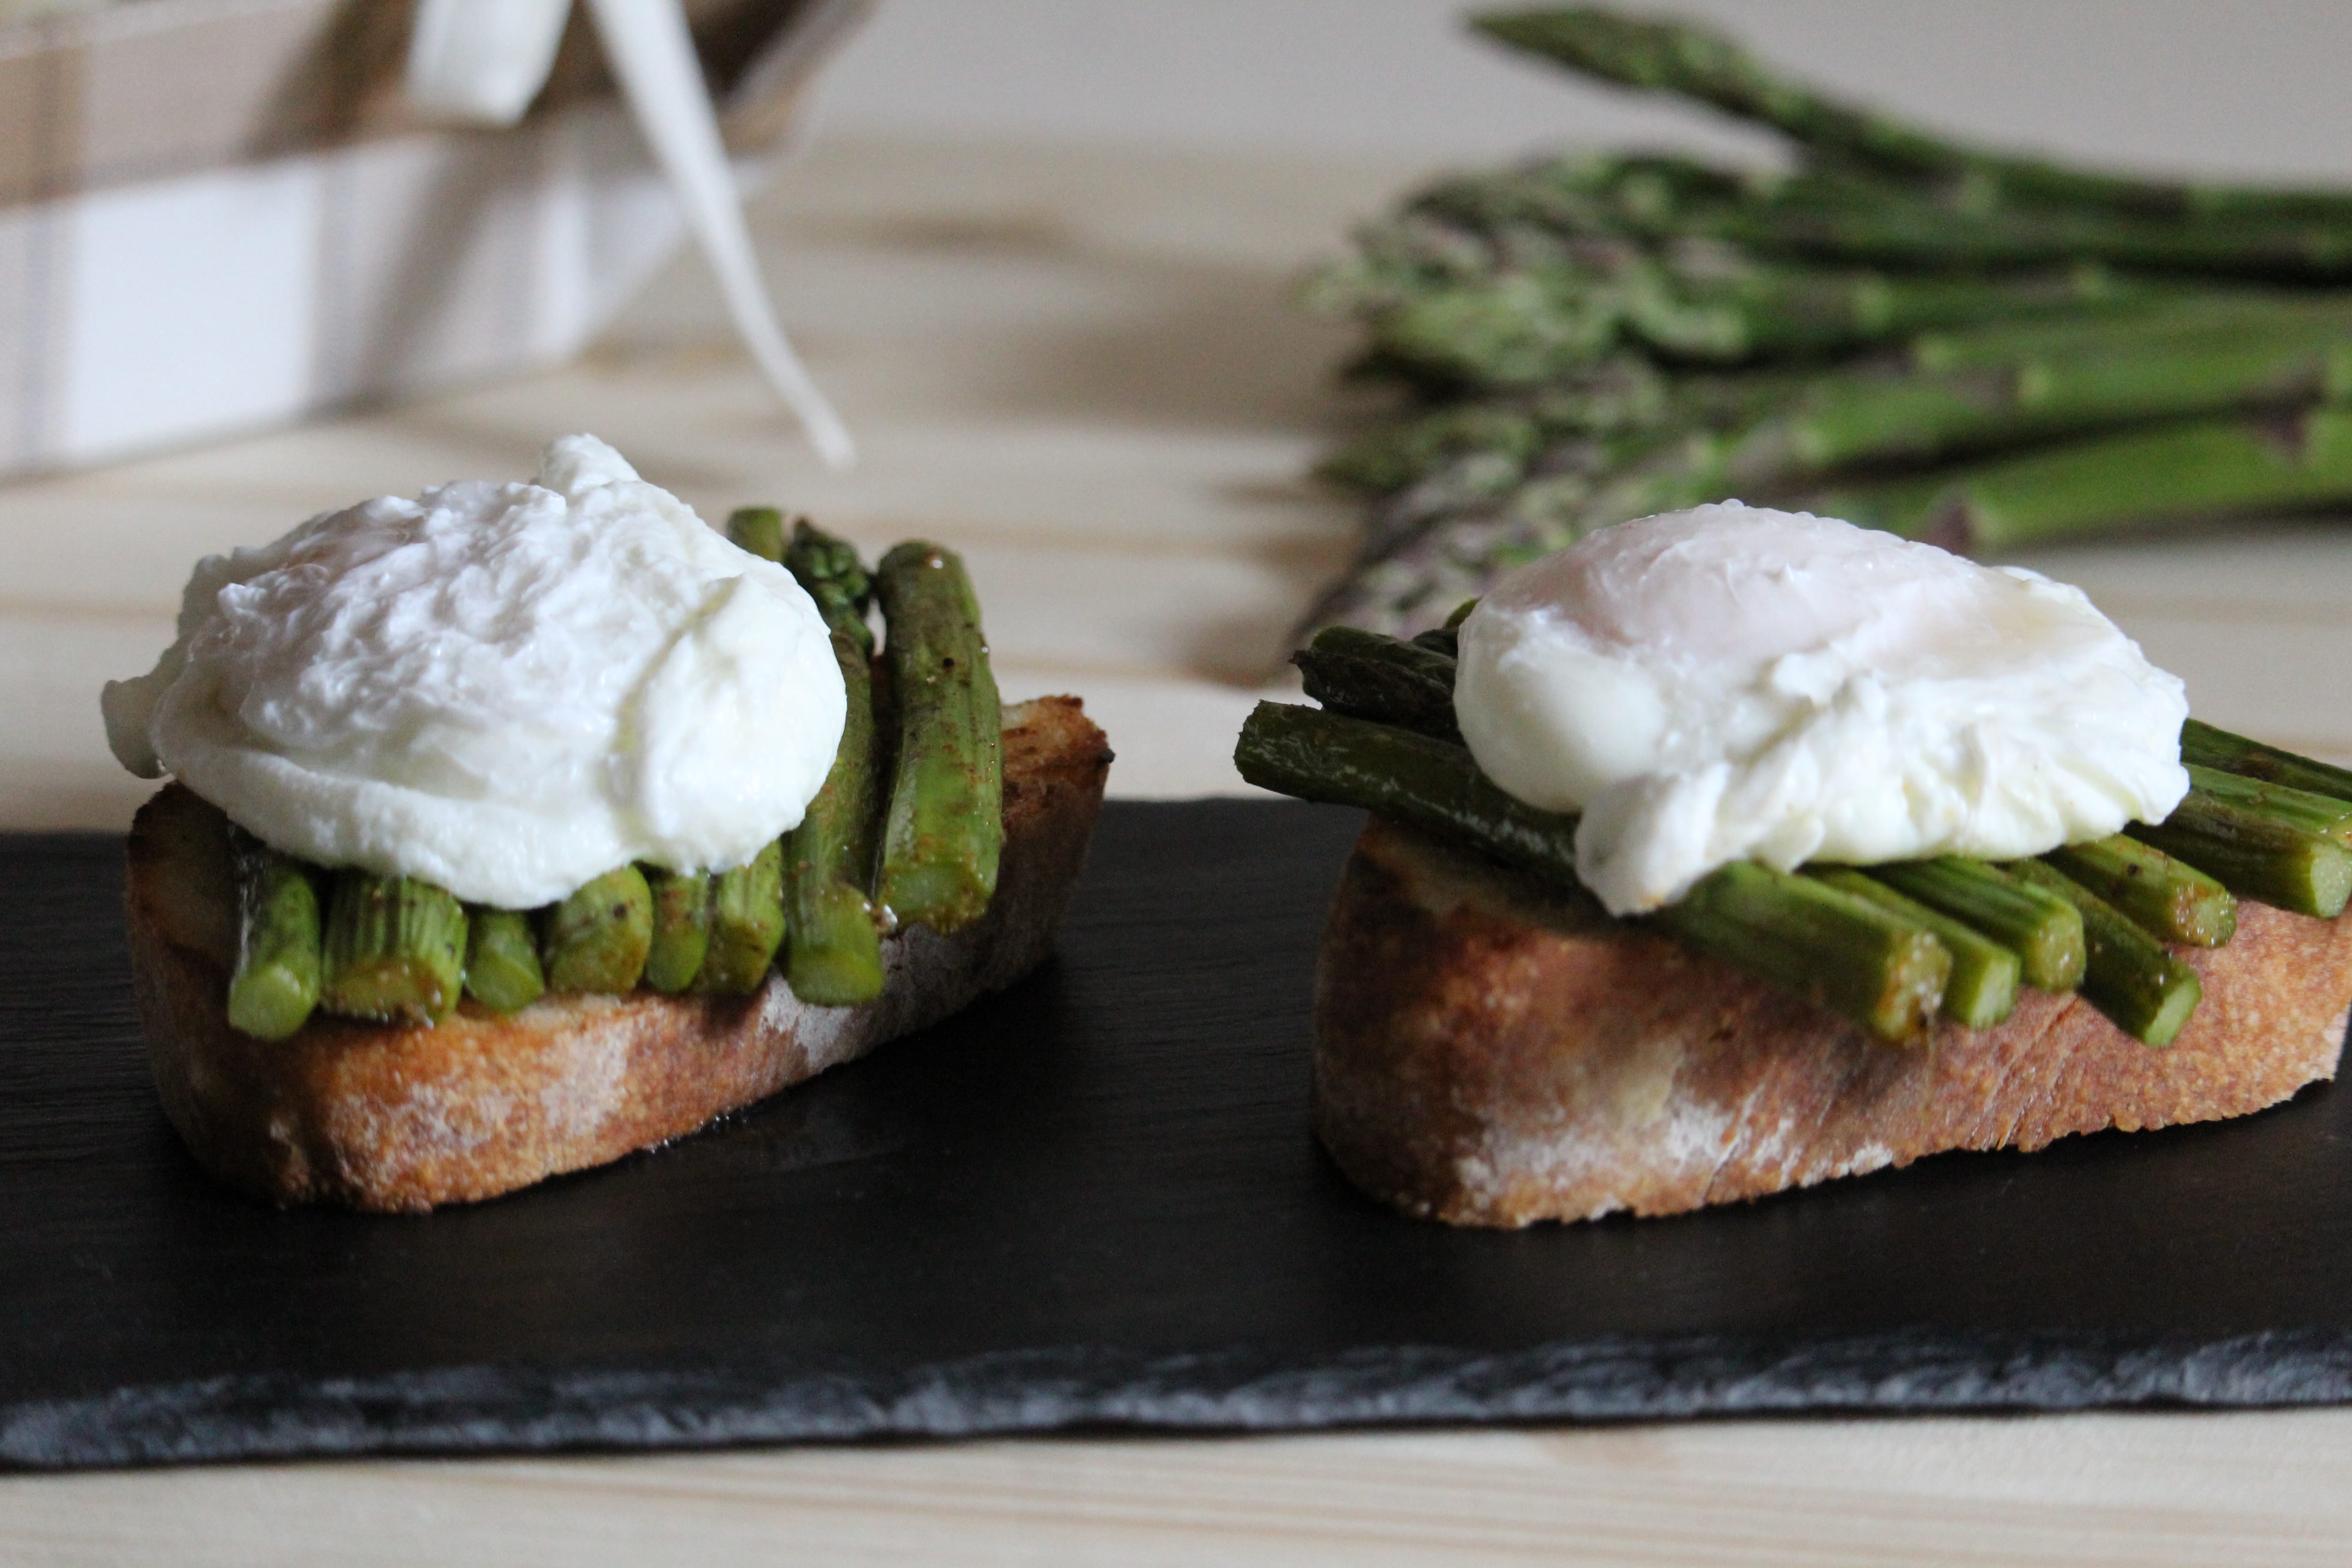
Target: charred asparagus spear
x,y
2168,900
945,824
502,967
1374,677
2262,845
2204,745
275,984
1982,989
835,957
597,940
2144,991
757,529
681,928
395,950
747,925
2042,929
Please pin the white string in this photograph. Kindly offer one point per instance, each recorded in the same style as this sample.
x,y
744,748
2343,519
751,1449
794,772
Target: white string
x,y
483,61
653,53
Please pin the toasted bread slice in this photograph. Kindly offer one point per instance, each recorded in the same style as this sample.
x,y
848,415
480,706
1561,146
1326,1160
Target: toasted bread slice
x,y
1490,1052
391,1118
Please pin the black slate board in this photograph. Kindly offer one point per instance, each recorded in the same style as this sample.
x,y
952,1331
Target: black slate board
x,y
1090,1201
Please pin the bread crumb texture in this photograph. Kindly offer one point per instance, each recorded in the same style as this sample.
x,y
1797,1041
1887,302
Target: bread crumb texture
x,y
1490,1052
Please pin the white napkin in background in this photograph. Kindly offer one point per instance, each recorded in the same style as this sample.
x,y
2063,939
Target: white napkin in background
x,y
483,61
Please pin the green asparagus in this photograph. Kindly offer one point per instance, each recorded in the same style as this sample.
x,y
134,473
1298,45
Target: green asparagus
x,y
502,968
2143,990
681,928
2324,815
2171,900
1948,342
395,950
1982,989
2257,851
597,940
944,828
747,925
834,958
1374,677
276,984
2204,745
2195,469
1696,63
759,529
2042,929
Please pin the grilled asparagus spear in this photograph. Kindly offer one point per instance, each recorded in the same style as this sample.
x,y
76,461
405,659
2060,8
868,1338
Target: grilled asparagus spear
x,y
836,956
681,930
747,925
395,950
597,940
277,980
945,824
502,968
2144,991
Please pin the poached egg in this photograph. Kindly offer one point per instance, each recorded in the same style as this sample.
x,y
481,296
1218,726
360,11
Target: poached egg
x,y
507,690
1732,683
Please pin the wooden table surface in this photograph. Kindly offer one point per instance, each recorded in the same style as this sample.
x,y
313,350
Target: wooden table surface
x,y
1082,369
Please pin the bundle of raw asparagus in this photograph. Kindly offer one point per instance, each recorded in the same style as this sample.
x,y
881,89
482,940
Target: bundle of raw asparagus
x,y
1892,946
1953,344
904,833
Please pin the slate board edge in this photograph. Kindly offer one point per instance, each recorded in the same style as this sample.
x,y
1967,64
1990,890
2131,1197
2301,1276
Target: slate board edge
x,y
492,1410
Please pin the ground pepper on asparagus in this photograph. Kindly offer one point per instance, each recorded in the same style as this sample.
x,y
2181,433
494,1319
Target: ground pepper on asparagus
x,y
1952,343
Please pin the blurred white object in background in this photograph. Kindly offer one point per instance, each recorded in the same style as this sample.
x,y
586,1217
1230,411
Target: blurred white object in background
x,y
221,214
485,61
482,60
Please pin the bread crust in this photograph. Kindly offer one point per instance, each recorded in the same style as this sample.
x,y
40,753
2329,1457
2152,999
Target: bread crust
x,y
1491,1052
389,1117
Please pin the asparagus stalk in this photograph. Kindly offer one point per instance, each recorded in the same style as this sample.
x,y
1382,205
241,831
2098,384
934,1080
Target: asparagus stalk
x,y
1851,954
2324,815
1374,677
1525,329
2195,469
829,569
1851,417
1856,222
757,529
2143,990
2042,929
747,925
835,957
944,828
2257,850
502,968
275,984
597,940
2202,744
681,928
1982,989
1841,950
1698,63
395,950
2172,901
